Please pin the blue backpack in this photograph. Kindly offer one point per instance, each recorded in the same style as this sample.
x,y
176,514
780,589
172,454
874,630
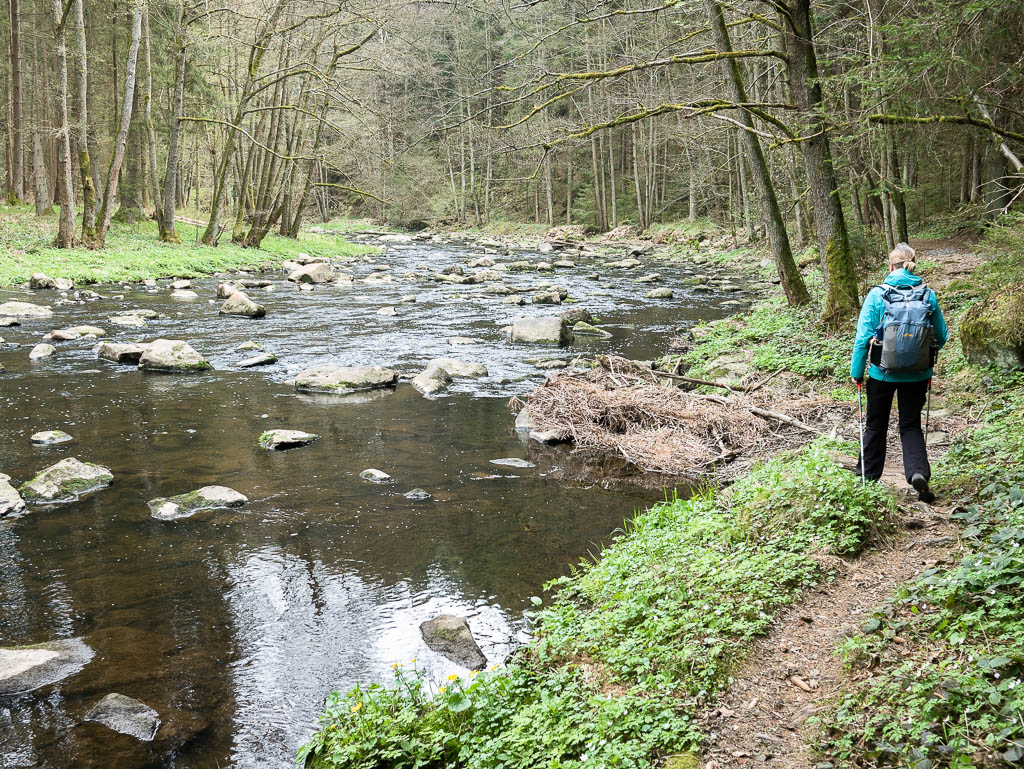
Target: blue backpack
x,y
904,340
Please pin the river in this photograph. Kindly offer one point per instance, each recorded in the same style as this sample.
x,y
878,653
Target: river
x,y
235,624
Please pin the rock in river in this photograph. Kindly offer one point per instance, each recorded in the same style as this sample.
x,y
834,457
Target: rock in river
x,y
450,636
42,351
344,379
172,355
373,475
11,502
418,495
513,462
576,314
263,359
279,440
93,331
659,293
225,290
24,668
586,329
184,295
240,304
66,481
41,280
126,715
312,273
50,437
184,505
460,368
121,353
545,330
433,379
24,310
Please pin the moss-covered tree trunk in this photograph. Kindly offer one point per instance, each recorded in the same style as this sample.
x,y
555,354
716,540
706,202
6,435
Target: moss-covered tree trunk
x,y
130,190
168,234
778,238
81,128
15,179
837,263
65,186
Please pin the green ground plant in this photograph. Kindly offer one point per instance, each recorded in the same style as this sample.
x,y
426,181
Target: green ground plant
x,y
945,657
630,645
135,253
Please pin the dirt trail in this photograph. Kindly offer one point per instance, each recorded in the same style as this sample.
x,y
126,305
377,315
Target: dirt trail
x,y
793,672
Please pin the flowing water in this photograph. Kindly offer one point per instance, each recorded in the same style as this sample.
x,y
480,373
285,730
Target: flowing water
x,y
235,624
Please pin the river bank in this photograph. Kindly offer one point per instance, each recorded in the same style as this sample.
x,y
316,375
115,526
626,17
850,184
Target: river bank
x,y
633,652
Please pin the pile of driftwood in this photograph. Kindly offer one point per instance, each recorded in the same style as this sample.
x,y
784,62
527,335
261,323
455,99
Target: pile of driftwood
x,y
644,416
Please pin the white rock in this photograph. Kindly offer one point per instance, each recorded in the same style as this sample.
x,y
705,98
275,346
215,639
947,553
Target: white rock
x,y
42,351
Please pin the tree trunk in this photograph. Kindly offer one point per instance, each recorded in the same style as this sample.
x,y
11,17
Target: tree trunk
x,y
40,190
168,234
568,185
899,203
130,190
16,181
837,263
154,177
65,186
789,274
85,170
123,125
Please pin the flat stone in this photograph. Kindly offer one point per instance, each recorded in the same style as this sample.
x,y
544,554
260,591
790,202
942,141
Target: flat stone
x,y
250,345
374,475
184,295
451,637
460,368
50,437
387,311
172,356
128,321
654,277
185,505
418,495
457,341
512,462
514,299
66,481
24,668
659,293
550,436
279,440
42,351
121,353
9,322
549,364
126,715
180,285
345,379
93,331
62,335
625,264
265,359
585,328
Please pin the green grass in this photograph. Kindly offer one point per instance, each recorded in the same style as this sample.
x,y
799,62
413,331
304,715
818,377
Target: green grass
x,y
134,253
631,645
939,671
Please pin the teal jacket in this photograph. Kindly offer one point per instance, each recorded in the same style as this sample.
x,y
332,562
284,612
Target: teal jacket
x,y
871,315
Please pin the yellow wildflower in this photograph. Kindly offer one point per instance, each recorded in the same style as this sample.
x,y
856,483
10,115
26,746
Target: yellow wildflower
x,y
357,707
444,689
453,677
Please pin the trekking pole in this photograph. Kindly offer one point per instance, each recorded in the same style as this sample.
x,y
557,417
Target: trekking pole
x,y
860,421
928,414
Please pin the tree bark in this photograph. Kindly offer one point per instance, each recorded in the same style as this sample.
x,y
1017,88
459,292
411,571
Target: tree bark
x,y
65,186
789,273
85,169
16,180
168,234
154,177
123,125
837,263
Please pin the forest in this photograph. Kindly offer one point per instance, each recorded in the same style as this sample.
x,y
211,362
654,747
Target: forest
x,y
802,125
506,384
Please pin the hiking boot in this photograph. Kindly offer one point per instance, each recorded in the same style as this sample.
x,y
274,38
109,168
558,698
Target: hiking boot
x,y
924,491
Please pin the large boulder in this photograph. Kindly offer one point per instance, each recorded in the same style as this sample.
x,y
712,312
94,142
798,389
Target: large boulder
x,y
577,314
240,304
344,379
172,355
312,273
24,668
126,715
433,379
41,280
544,330
11,502
121,353
184,505
992,331
24,310
279,440
451,637
66,481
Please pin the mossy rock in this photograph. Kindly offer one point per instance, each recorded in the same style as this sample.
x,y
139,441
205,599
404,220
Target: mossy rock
x,y
66,481
992,331
682,761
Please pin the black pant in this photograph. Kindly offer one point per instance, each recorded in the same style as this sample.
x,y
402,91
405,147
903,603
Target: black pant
x,y
911,397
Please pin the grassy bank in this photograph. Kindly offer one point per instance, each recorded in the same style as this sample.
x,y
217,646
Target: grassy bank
x,y
134,252
631,644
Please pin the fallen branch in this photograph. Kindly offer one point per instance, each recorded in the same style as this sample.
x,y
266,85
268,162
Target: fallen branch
x,y
765,414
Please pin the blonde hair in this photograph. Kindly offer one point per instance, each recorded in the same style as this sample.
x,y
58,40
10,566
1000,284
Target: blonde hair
x,y
902,256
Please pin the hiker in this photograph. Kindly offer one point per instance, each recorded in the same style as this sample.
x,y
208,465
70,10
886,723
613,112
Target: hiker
x,y
900,330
